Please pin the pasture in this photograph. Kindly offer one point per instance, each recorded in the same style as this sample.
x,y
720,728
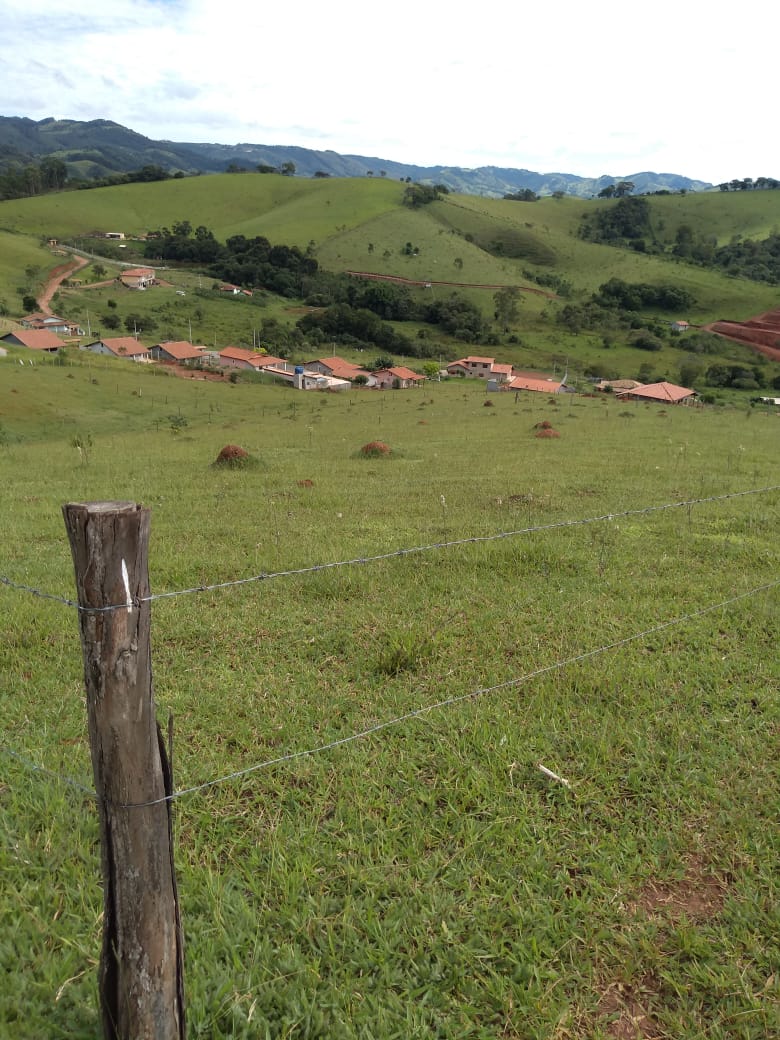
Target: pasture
x,y
427,879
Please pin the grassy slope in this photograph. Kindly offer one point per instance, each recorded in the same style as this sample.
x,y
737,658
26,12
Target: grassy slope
x,y
429,881
344,218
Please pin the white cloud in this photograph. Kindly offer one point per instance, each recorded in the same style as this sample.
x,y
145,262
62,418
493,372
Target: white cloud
x,y
565,89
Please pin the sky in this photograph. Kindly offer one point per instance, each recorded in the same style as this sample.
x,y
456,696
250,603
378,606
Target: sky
x,y
669,87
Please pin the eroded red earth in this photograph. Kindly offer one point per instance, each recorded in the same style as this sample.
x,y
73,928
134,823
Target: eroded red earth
x,y
761,334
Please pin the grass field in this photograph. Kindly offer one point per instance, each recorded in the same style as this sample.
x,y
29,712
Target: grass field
x,y
428,880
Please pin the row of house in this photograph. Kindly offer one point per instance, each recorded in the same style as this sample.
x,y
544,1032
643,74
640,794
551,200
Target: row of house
x,y
334,373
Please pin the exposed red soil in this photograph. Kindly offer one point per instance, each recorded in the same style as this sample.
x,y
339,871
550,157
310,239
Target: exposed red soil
x,y
231,455
698,897
375,448
761,334
56,278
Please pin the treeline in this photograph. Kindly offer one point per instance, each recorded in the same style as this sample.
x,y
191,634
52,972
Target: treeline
x,y
617,306
21,182
628,224
353,311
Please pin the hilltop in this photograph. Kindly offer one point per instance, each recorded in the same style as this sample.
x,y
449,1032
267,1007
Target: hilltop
x,y
100,147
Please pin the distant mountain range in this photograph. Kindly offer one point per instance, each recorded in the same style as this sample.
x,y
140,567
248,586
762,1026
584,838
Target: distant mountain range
x,y
99,148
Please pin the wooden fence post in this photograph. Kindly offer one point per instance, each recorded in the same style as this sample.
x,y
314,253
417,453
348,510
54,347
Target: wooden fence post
x,y
141,976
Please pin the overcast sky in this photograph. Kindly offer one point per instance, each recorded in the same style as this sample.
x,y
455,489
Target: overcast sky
x,y
672,86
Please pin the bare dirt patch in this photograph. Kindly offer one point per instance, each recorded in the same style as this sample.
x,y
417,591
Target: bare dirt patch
x,y
627,1006
697,896
761,334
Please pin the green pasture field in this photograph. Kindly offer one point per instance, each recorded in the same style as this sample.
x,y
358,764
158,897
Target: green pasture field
x,y
427,880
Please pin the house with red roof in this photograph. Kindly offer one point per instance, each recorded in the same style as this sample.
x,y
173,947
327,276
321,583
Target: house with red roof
x,y
126,347
397,378
178,352
138,277
50,322
34,339
240,357
536,385
338,368
665,393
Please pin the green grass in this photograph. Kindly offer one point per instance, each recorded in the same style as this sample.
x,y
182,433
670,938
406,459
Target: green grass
x,y
426,881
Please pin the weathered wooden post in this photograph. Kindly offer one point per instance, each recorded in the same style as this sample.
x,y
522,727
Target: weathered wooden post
x,y
141,967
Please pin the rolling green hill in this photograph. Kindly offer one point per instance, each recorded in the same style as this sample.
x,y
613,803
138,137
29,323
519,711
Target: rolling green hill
x,y
363,225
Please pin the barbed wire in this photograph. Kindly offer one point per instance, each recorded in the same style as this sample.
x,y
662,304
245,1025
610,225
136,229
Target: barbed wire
x,y
406,716
378,557
457,699
33,767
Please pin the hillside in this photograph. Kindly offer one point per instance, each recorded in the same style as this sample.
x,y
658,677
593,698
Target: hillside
x,y
101,147
363,225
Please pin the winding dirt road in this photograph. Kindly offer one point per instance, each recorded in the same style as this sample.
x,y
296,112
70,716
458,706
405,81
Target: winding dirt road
x,y
56,278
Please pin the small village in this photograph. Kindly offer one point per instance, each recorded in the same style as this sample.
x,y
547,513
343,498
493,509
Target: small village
x,y
42,333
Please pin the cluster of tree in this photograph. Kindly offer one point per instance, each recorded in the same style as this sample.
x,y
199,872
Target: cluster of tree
x,y
351,326
625,223
758,260
416,195
548,280
748,184
738,377
523,195
342,297
617,191
19,182
618,305
248,262
145,175
636,296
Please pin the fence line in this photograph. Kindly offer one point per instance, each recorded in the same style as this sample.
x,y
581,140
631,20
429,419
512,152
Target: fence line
x,y
358,560
416,712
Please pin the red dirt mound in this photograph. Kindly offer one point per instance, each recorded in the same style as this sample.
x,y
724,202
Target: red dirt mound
x,y
231,455
375,448
761,334
547,432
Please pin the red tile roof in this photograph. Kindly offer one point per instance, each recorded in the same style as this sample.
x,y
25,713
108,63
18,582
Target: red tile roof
x,y
668,392
404,373
543,386
181,350
124,346
38,339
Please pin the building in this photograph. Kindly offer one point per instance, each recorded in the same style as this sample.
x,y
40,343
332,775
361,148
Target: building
x,y
50,322
397,378
177,352
34,339
240,357
536,385
126,347
138,277
664,393
338,368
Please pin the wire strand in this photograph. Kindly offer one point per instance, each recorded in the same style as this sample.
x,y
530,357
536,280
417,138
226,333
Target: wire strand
x,y
450,701
391,554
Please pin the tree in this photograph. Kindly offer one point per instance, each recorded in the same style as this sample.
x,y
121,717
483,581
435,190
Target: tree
x,y
54,173
507,301
100,271
430,369
607,192
382,361
623,188
287,169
